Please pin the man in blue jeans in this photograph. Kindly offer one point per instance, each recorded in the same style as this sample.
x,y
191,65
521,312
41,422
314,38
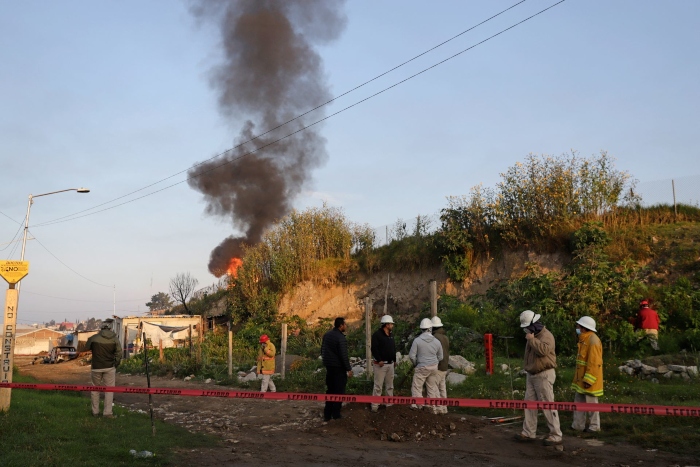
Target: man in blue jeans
x,y
334,352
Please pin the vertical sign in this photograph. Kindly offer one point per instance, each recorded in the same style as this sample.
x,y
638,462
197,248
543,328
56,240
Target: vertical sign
x,y
12,272
8,346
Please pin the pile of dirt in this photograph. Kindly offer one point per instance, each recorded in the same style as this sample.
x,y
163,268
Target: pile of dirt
x,y
397,423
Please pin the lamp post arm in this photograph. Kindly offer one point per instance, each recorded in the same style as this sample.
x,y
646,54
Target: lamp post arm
x,y
59,191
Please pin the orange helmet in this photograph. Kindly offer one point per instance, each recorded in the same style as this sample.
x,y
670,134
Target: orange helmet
x,y
264,338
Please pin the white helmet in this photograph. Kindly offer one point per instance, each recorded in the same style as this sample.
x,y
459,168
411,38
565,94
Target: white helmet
x,y
437,322
587,322
528,317
426,323
386,319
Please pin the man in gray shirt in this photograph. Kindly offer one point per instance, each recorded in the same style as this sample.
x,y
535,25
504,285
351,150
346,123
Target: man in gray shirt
x,y
426,353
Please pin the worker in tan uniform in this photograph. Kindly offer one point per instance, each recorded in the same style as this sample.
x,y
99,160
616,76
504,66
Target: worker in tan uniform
x,y
540,362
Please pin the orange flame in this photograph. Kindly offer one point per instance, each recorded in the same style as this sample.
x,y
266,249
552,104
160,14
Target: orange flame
x,y
233,265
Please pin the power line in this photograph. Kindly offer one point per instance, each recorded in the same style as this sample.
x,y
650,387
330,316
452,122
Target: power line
x,y
13,241
71,269
10,218
81,300
110,311
57,221
72,216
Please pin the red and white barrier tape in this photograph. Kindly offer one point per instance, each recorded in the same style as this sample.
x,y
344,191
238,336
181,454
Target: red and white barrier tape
x,y
635,409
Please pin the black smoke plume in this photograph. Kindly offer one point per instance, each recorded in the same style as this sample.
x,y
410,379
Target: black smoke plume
x,y
270,74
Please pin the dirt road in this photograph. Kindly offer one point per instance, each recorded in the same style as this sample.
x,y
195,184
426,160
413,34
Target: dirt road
x,y
293,433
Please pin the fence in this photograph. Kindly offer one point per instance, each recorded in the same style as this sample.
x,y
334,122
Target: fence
x,y
681,190
684,190
212,289
417,226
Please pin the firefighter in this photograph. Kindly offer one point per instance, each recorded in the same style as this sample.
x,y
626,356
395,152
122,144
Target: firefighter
x,y
266,363
588,378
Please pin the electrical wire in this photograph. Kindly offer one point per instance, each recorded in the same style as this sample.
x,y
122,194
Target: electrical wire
x,y
13,241
81,300
10,218
72,217
71,269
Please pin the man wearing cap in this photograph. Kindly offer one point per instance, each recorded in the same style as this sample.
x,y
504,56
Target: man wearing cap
x,y
266,363
648,322
383,356
539,363
439,334
106,356
425,354
588,378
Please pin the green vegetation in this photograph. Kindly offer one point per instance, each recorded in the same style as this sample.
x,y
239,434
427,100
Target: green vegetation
x,y
46,428
676,434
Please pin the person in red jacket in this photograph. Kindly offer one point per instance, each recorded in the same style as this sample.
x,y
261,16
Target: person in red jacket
x,y
648,322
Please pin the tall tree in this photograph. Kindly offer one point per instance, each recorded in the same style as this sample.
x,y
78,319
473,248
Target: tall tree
x,y
181,287
160,301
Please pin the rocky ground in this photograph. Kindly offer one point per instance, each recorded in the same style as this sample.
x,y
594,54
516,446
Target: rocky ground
x,y
293,433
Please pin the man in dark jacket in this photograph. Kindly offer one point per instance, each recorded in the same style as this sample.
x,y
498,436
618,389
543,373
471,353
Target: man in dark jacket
x,y
383,356
106,356
439,334
334,352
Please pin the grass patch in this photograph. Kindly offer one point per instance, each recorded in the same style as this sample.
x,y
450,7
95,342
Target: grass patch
x,y
51,428
675,434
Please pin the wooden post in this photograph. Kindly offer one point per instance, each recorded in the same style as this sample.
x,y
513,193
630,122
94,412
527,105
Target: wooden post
x,y
433,298
125,349
368,338
386,294
161,357
8,348
148,383
675,209
190,333
284,349
230,350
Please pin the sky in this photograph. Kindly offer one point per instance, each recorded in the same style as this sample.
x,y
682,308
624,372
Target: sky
x,y
115,96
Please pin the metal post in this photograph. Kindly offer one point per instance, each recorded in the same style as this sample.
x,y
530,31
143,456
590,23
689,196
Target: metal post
x,y
230,350
488,353
368,338
675,209
284,349
433,298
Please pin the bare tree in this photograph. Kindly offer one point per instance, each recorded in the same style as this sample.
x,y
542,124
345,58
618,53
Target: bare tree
x,y
181,287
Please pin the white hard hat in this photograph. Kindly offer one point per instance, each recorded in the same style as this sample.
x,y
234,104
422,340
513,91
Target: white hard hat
x,y
426,323
437,322
386,319
587,322
528,317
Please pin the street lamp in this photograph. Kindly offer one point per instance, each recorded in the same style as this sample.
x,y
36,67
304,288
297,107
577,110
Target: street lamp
x,y
10,313
29,207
